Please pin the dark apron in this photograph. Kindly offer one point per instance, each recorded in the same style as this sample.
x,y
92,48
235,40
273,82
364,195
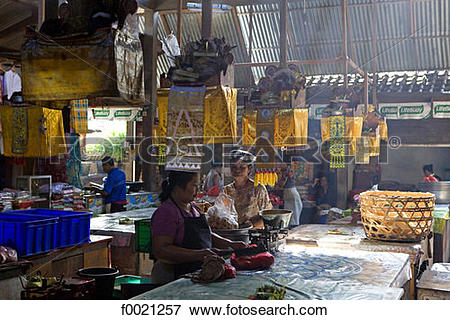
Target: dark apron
x,y
197,236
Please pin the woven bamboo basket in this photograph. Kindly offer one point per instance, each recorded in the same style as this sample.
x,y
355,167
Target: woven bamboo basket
x,y
396,215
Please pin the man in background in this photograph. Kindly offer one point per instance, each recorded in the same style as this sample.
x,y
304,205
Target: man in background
x,y
115,188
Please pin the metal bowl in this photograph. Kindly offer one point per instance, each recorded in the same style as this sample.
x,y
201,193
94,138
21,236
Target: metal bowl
x,y
275,219
234,234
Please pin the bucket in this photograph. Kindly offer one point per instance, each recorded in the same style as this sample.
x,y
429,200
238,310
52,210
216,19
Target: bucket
x,y
104,280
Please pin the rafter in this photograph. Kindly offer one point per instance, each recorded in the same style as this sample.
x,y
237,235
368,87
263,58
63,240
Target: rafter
x,y
241,38
165,24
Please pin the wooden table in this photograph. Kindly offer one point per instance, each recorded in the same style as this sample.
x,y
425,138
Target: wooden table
x,y
61,262
352,237
67,261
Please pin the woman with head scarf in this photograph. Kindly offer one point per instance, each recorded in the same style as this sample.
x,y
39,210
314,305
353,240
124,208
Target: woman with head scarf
x,y
248,199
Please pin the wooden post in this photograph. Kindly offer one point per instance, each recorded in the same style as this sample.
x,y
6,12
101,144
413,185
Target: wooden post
x,y
344,40
283,33
150,48
206,18
374,52
41,13
179,21
366,91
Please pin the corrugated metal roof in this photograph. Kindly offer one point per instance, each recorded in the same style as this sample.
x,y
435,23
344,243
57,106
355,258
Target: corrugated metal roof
x,y
316,29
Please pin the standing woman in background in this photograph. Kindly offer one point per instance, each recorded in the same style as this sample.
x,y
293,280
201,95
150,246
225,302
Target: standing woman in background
x,y
291,197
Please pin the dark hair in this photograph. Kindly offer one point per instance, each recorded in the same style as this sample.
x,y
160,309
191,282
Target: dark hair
x,y
240,155
175,178
217,165
108,160
428,167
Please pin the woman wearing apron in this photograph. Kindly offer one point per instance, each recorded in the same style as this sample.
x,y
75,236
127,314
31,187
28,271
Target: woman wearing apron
x,y
181,236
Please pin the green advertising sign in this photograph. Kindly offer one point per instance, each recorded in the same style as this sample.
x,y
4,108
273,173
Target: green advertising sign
x,y
406,110
134,114
441,109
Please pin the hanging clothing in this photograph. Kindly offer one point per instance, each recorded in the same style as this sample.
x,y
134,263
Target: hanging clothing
x,y
293,202
13,83
79,115
74,162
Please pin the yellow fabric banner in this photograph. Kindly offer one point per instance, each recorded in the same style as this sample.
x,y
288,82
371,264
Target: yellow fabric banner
x,y
220,114
325,129
353,131
248,127
220,117
44,136
291,128
383,130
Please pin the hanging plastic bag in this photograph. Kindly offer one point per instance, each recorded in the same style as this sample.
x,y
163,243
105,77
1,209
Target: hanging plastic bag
x,y
223,214
171,48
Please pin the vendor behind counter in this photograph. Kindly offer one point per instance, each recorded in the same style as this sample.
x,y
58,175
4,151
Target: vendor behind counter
x,y
115,188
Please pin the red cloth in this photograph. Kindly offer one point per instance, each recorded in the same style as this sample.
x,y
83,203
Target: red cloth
x,y
214,191
260,261
229,273
430,179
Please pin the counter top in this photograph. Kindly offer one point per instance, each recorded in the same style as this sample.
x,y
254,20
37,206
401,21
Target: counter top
x,y
307,273
350,237
110,222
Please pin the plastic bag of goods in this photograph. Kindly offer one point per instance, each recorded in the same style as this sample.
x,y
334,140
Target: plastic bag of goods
x,y
223,214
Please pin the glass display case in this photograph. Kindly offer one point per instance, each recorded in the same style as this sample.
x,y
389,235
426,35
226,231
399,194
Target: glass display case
x,y
37,186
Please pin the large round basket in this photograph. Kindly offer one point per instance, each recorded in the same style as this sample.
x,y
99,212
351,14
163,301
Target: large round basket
x,y
396,216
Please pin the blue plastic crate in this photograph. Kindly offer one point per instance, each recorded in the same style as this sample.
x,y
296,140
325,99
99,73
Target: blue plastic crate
x,y
28,235
72,227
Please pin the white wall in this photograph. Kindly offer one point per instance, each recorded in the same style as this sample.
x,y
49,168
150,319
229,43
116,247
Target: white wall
x,y
405,164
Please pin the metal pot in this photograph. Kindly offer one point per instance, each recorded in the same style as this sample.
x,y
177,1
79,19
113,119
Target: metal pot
x,y
275,219
234,234
440,189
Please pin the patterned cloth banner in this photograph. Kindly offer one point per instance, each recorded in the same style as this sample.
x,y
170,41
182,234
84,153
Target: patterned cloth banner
x,y
185,128
286,127
79,115
40,134
220,114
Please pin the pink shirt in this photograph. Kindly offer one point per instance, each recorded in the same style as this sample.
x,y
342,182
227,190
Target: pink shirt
x,y
167,221
430,179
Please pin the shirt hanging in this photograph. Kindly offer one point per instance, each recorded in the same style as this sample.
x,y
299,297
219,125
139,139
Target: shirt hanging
x,y
79,115
13,83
